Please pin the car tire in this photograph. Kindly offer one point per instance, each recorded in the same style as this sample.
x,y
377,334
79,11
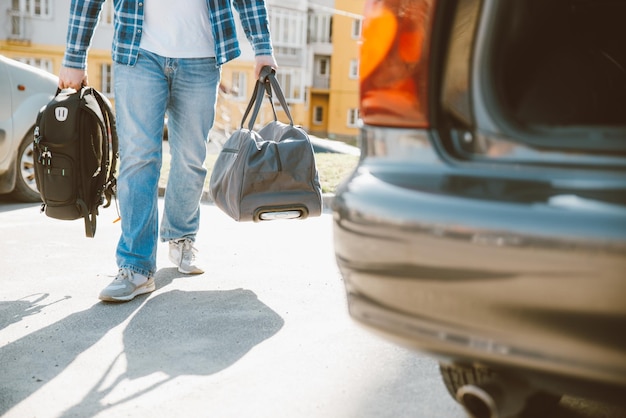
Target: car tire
x,y
25,186
457,375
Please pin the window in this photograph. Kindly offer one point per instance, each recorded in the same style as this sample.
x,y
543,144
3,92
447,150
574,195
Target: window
x,y
321,77
107,80
32,8
288,31
18,25
354,69
353,118
318,115
323,67
43,63
356,28
320,28
238,86
292,84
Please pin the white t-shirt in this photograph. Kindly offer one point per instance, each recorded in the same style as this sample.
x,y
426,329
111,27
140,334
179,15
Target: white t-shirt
x,y
177,29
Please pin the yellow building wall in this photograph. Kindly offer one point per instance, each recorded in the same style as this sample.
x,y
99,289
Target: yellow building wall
x,y
229,110
54,53
16,50
344,90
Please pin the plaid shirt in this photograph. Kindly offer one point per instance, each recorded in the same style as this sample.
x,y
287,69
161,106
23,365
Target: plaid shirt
x,y
84,16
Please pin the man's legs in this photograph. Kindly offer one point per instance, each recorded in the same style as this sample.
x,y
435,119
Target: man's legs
x,y
141,95
187,88
191,110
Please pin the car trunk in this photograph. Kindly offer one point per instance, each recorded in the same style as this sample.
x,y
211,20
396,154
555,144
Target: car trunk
x,y
548,73
562,62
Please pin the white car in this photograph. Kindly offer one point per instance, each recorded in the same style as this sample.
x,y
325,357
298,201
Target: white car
x,y
23,91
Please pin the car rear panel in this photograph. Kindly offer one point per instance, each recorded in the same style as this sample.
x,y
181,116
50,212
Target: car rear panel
x,y
425,243
515,256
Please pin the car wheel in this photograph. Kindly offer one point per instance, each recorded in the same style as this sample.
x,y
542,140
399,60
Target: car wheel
x,y
25,185
456,376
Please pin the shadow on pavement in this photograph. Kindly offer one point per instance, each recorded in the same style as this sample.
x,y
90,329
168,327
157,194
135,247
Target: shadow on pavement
x,y
16,310
31,361
174,333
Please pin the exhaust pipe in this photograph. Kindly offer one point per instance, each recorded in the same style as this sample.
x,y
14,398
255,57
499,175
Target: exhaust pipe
x,y
496,398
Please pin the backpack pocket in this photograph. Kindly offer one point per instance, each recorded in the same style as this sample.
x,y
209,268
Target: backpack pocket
x,y
57,181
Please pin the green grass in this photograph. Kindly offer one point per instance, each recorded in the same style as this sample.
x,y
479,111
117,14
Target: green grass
x,y
332,169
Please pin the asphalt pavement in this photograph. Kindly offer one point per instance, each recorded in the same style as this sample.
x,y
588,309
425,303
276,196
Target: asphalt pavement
x,y
263,333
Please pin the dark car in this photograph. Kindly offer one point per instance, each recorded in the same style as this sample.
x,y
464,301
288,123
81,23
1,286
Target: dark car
x,y
485,223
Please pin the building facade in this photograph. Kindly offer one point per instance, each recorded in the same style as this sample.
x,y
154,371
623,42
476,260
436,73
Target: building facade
x,y
343,111
33,31
315,41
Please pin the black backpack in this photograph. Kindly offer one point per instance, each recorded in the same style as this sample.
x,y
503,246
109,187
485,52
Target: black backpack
x,y
76,150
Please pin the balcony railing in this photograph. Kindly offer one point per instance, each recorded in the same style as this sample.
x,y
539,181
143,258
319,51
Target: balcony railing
x,y
321,82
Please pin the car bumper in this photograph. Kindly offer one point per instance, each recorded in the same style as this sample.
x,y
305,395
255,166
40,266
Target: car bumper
x,y
533,283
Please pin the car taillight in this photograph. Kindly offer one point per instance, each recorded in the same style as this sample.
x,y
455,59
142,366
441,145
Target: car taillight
x,y
394,62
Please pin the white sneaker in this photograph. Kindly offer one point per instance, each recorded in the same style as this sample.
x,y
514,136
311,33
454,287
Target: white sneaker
x,y
183,255
126,286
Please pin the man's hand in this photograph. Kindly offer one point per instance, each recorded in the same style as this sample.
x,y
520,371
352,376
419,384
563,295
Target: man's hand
x,y
73,78
262,61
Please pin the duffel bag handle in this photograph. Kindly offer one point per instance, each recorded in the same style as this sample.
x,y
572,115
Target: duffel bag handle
x,y
265,84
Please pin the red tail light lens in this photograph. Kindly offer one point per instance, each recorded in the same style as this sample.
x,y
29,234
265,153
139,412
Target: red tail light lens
x,y
394,62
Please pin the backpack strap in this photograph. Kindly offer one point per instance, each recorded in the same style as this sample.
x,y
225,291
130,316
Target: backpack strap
x,y
110,186
109,161
90,219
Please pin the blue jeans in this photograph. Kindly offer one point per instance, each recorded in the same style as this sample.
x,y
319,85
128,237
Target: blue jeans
x,y
187,90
